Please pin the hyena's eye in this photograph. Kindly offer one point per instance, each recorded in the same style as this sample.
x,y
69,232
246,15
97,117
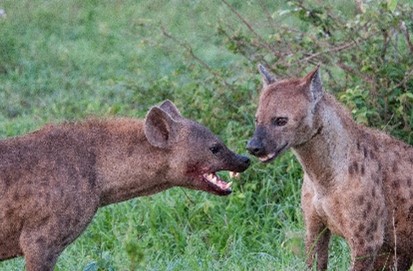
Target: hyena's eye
x,y
215,148
280,121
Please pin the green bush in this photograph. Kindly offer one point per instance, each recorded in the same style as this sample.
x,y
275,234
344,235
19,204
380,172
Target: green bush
x,y
365,54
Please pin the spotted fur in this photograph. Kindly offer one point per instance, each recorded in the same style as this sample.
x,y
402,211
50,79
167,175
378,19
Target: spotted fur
x,y
357,181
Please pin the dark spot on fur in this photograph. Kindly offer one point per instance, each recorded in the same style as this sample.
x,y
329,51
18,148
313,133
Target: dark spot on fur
x,y
360,200
368,207
355,167
373,192
7,180
410,214
370,231
369,249
16,196
358,145
395,168
395,184
362,170
350,170
372,155
361,227
409,182
9,213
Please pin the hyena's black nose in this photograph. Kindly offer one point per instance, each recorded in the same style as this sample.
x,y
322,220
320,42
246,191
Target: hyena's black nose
x,y
245,160
242,163
255,147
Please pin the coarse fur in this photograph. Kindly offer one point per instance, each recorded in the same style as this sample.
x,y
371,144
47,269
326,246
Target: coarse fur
x,y
52,181
357,181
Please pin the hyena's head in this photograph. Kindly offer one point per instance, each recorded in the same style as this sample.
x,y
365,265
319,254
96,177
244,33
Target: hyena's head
x,y
194,153
286,114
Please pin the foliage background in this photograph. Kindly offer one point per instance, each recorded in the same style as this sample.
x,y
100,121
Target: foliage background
x,y
66,60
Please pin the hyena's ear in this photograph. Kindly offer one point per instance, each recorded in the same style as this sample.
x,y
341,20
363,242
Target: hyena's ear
x,y
267,77
315,87
171,109
160,129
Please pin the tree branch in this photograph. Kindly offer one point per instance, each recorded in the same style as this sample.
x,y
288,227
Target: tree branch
x,y
261,40
189,49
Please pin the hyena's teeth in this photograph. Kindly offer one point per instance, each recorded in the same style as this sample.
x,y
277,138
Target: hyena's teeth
x,y
233,174
267,157
229,185
211,178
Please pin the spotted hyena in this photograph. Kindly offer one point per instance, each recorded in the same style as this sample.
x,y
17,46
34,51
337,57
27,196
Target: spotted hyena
x,y
357,181
53,181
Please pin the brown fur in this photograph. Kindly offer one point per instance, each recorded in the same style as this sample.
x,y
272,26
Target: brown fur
x,y
52,181
357,181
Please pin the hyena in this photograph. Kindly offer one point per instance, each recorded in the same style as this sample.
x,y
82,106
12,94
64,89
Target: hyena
x,y
357,181
52,181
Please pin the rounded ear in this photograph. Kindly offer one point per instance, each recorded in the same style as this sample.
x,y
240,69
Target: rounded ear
x,y
160,128
315,86
171,109
267,77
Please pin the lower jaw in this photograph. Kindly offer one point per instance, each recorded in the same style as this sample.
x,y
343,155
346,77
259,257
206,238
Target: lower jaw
x,y
270,157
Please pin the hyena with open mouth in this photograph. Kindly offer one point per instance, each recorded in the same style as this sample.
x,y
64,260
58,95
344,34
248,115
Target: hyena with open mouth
x,y
357,181
53,181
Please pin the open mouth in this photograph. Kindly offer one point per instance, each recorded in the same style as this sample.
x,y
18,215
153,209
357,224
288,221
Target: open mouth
x,y
269,157
217,183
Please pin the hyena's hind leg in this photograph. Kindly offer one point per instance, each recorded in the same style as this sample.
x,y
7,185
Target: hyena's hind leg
x,y
385,261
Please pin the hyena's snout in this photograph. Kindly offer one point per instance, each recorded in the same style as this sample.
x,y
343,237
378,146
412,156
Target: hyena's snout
x,y
243,162
256,147
260,147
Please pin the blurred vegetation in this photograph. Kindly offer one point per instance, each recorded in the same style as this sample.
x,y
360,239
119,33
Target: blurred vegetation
x,y
67,60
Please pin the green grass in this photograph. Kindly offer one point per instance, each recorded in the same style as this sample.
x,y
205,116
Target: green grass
x,y
66,60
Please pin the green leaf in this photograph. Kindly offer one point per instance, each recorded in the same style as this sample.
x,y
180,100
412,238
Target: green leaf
x,y
392,4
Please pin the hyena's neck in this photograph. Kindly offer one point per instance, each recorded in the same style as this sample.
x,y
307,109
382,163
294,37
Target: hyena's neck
x,y
325,155
128,165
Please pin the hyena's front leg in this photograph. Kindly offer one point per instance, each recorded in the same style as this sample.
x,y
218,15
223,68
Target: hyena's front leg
x,y
316,243
317,234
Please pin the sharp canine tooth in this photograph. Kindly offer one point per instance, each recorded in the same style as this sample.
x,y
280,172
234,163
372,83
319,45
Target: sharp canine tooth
x,y
214,180
229,184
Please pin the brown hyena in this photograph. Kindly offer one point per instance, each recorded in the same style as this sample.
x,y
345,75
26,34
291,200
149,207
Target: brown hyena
x,y
52,181
357,181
